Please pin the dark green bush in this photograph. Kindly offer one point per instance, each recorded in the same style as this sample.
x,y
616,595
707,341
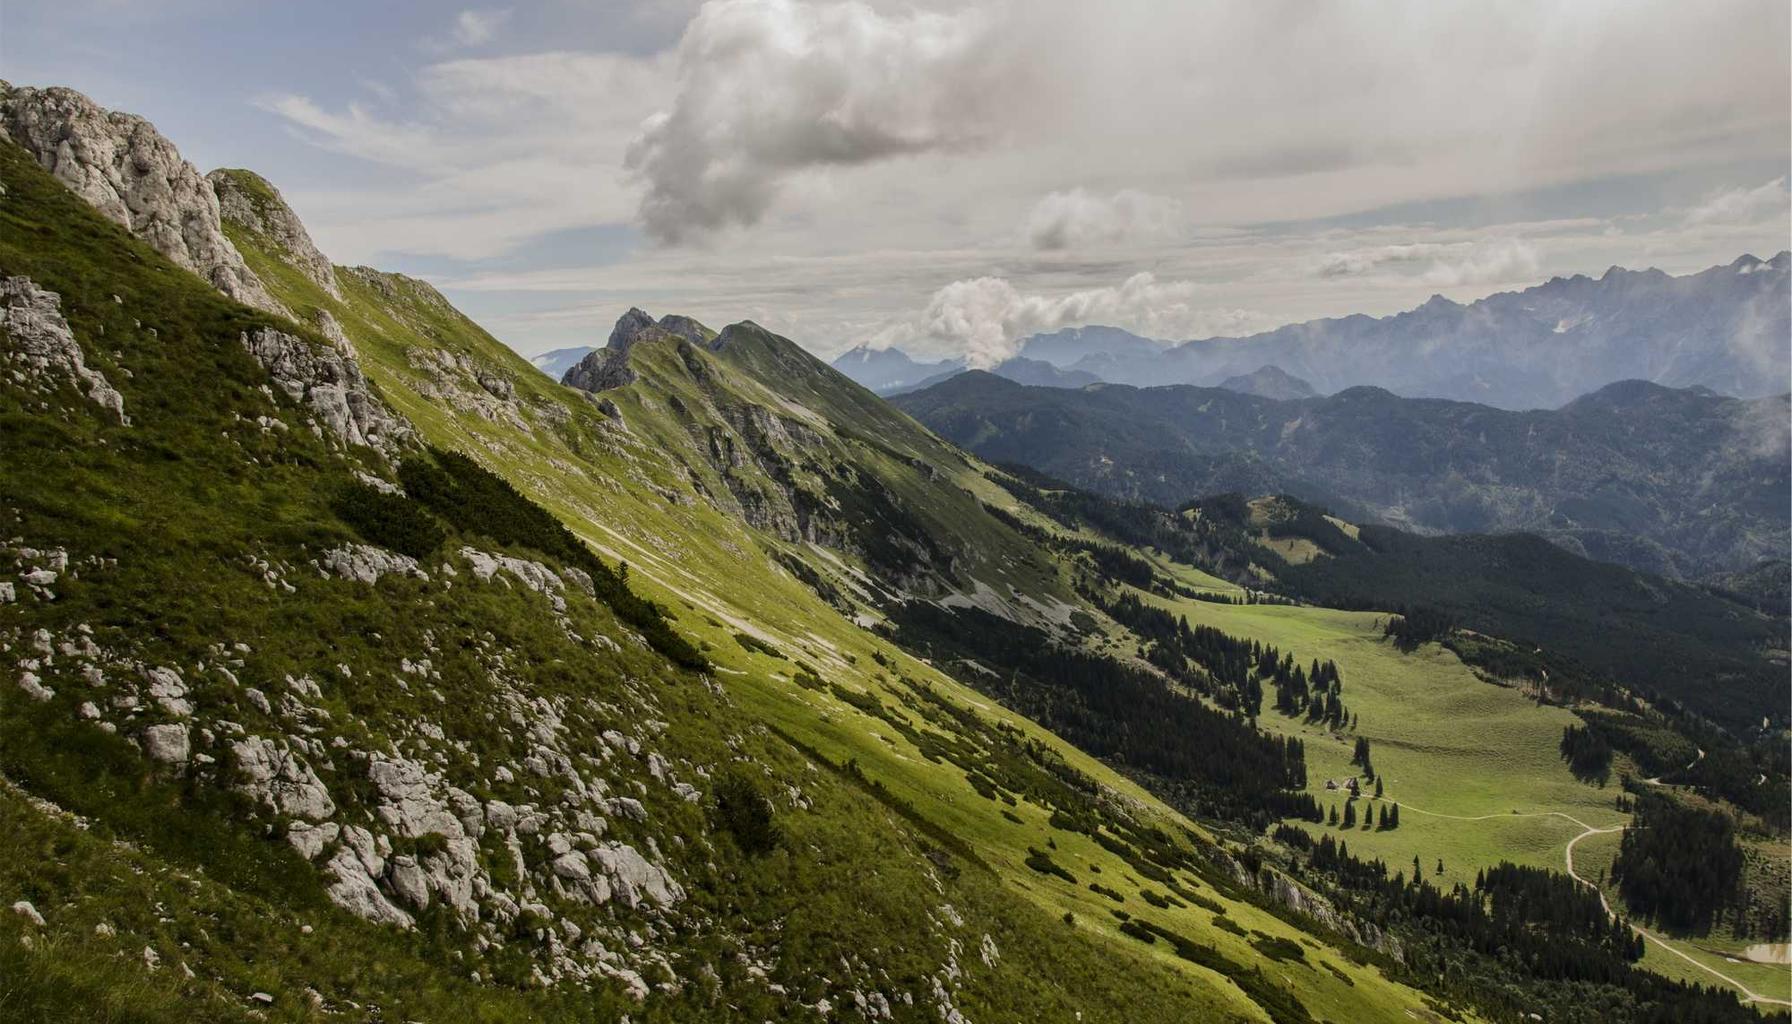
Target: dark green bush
x,y
745,812
1042,862
389,520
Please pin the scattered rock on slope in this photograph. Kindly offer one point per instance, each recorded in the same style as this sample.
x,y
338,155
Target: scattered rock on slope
x,y
330,384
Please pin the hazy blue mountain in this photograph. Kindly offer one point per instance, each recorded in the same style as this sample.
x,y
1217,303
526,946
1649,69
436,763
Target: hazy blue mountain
x,y
1270,382
1682,482
1040,373
1724,328
556,362
885,370
1067,347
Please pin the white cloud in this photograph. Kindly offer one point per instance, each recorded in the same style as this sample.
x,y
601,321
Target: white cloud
x,y
499,149
1742,205
769,88
1076,218
1498,261
475,27
1494,260
859,155
1361,261
986,318
356,131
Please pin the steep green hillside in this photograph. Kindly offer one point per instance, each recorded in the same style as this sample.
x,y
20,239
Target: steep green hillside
x,y
280,767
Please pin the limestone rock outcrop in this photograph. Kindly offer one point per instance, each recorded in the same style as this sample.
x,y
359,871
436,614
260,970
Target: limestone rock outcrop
x,y
274,775
129,172
330,384
601,370
41,349
249,201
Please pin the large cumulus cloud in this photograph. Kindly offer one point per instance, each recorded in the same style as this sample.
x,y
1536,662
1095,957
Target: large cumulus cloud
x,y
986,318
768,88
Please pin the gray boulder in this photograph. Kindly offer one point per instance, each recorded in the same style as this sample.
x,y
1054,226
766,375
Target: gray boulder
x,y
167,744
279,779
355,891
635,878
366,564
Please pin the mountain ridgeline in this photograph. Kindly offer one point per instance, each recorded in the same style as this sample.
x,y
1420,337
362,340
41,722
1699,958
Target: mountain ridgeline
x,y
357,668
1724,328
1681,482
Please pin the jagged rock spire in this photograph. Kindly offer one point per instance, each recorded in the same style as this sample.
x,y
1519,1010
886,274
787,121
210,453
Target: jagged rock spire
x,y
628,327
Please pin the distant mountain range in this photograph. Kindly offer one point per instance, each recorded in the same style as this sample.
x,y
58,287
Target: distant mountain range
x,y
888,370
1683,482
1725,328
556,362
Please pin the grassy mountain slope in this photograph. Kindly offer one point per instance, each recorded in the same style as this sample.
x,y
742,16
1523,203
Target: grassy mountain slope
x,y
208,522
856,442
1593,623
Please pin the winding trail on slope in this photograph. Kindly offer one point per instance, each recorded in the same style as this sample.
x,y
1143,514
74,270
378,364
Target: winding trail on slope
x,y
1656,781
1748,994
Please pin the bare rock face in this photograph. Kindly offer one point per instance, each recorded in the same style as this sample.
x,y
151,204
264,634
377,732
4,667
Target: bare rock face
x,y
355,890
634,878
601,370
686,328
628,327
249,201
607,367
468,385
330,384
121,165
366,564
40,349
272,774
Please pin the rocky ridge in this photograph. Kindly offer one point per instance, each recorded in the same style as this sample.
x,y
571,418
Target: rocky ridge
x,y
247,199
127,171
780,467
607,367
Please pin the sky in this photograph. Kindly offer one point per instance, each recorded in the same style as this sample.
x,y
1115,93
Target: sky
x,y
953,177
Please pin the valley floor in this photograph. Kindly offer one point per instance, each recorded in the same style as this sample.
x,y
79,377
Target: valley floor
x,y
1469,797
